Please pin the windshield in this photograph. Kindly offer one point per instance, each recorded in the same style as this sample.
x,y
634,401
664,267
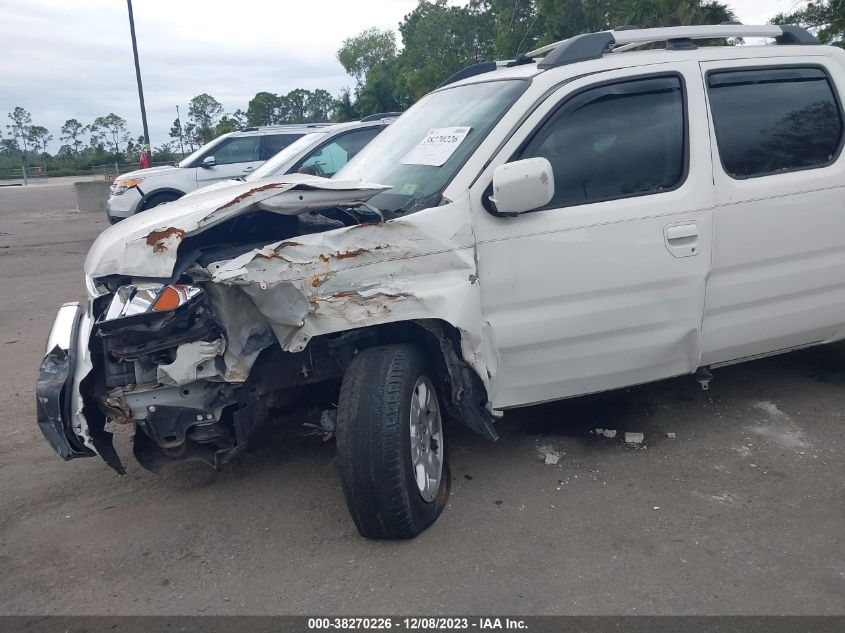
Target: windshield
x,y
186,162
275,163
417,171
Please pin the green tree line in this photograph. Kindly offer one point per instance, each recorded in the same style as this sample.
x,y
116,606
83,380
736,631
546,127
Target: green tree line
x,y
107,138
436,40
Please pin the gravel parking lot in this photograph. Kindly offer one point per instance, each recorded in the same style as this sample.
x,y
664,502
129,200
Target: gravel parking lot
x,y
743,512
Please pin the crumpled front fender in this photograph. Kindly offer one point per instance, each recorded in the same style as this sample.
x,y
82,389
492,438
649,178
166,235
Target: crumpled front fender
x,y
421,266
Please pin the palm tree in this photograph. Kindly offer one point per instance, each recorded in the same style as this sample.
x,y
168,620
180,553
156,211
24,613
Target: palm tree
x,y
654,13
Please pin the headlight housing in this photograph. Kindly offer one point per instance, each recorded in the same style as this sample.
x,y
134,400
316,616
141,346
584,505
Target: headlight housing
x,y
119,187
132,300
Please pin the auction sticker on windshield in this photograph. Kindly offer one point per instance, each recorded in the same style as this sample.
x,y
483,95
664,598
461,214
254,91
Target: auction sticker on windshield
x,y
437,146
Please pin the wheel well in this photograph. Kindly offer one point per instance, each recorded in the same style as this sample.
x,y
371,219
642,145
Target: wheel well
x,y
158,193
326,357
463,391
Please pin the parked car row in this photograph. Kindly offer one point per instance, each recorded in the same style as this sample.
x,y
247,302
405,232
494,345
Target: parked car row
x,y
589,216
317,148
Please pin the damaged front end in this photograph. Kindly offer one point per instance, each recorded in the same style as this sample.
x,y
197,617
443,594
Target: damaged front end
x,y
211,315
160,352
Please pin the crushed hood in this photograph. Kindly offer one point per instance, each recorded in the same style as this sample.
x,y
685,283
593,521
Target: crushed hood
x,y
146,244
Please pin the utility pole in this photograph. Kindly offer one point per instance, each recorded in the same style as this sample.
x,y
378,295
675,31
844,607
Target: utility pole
x,y
140,85
179,120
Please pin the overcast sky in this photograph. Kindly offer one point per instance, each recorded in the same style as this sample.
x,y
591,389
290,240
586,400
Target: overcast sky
x,y
66,59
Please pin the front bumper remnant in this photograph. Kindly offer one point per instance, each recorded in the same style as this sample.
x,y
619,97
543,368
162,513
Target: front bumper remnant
x,y
54,388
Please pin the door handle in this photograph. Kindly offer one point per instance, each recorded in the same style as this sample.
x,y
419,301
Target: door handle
x,y
248,169
682,239
681,232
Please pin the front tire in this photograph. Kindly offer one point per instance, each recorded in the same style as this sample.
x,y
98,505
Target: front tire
x,y
158,199
390,443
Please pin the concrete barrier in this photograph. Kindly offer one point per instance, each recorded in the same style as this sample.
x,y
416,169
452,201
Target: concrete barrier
x,y
91,195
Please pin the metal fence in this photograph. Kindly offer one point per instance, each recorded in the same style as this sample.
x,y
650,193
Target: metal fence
x,y
36,174
115,169
23,175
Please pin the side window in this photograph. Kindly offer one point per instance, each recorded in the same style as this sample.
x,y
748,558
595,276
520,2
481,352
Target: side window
x,y
615,141
771,120
275,143
237,150
327,159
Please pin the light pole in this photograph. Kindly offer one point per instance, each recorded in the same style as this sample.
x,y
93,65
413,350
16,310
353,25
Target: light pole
x,y
179,122
140,86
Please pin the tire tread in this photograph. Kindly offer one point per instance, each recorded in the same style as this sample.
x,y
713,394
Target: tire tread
x,y
370,442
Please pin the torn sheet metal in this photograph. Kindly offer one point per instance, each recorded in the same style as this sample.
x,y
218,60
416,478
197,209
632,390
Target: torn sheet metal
x,y
146,244
193,361
247,330
421,266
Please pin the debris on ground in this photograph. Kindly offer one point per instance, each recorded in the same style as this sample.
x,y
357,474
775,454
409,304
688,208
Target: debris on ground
x,y
671,436
548,454
770,409
609,433
634,438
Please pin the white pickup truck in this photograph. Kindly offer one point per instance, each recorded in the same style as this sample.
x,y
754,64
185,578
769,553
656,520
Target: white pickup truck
x,y
586,217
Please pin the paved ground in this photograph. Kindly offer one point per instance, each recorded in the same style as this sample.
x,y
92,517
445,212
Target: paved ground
x,y
742,513
64,181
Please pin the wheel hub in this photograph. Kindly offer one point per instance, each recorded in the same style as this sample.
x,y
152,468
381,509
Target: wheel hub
x,y
426,438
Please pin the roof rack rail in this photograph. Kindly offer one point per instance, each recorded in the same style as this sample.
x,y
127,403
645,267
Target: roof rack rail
x,y
470,71
579,49
595,45
379,115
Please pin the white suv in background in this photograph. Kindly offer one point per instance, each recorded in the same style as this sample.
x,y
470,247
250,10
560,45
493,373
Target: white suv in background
x,y
321,152
228,156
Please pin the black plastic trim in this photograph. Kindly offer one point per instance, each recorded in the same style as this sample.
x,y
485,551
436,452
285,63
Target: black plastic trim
x,y
380,115
793,34
470,71
580,48
681,44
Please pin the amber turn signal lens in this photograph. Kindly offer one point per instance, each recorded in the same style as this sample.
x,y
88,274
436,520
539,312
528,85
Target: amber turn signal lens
x,y
169,299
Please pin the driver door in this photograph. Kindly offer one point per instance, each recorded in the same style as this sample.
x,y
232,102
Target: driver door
x,y
604,287
237,156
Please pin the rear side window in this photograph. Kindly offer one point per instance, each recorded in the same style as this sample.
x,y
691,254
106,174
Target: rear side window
x,y
275,143
243,149
327,159
773,120
615,141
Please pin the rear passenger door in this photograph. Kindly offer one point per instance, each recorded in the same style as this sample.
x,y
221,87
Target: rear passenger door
x,y
272,144
603,287
778,271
